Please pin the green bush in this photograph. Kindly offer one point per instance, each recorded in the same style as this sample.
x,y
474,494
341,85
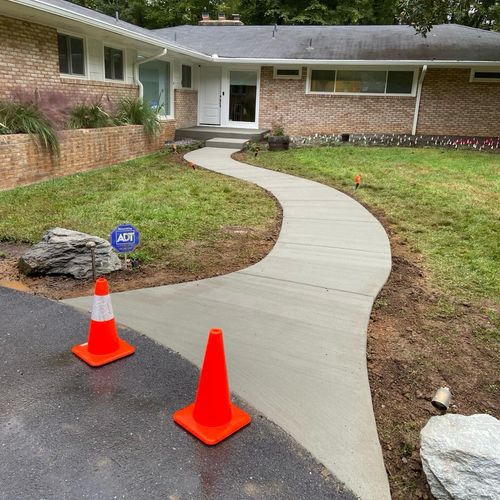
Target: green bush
x,y
137,112
90,116
16,118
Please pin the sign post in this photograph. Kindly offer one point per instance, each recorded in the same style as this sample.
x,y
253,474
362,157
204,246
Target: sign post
x,y
124,239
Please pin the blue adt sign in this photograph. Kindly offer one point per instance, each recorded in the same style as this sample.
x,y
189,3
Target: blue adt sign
x,y
124,238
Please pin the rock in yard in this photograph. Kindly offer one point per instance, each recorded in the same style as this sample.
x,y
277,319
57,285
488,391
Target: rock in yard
x,y
63,251
461,456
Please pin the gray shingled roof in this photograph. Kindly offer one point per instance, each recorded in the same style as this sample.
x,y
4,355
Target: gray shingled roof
x,y
446,42
129,28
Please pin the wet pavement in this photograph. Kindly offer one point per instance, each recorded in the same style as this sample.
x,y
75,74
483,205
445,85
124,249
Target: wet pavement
x,y
71,431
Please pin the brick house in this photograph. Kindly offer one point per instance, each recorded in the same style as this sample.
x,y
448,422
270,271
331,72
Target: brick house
x,y
311,79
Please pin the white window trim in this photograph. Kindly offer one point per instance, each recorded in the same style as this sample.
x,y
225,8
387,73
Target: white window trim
x,y
484,70
85,76
124,52
287,77
192,76
363,68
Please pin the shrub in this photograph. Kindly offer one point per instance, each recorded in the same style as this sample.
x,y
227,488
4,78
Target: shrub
x,y
277,130
26,118
90,116
137,112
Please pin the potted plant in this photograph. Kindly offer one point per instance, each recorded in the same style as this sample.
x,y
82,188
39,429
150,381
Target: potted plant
x,y
277,139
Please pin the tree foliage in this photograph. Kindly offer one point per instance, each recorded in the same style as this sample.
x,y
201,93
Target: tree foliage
x,y
422,14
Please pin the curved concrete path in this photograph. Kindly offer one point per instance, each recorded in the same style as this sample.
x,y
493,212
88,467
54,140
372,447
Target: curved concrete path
x,y
294,323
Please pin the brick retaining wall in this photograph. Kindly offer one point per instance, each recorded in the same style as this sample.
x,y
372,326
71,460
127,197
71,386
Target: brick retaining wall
x,y
23,162
186,107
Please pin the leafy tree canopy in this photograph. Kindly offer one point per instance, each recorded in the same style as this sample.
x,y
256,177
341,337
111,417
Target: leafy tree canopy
x,y
422,14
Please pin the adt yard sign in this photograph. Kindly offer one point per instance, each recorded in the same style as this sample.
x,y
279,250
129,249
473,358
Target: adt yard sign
x,y
124,238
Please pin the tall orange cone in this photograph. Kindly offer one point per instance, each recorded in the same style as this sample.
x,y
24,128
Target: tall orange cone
x,y
103,345
212,417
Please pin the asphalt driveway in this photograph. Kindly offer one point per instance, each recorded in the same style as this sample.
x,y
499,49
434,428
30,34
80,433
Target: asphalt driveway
x,y
71,431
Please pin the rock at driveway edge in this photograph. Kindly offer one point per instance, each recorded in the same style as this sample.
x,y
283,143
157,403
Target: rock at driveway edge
x,y
461,456
63,251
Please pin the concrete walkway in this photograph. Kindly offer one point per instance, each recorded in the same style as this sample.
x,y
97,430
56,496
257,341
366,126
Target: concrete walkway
x,y
294,323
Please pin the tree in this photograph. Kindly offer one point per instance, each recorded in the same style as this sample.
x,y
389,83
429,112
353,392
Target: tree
x,y
423,14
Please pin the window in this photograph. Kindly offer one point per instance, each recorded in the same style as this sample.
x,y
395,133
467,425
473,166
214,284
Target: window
x,y
71,55
155,79
361,81
287,73
186,77
322,80
113,63
485,75
242,96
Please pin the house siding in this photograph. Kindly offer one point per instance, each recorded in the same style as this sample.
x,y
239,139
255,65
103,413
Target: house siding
x,y
452,105
286,102
29,62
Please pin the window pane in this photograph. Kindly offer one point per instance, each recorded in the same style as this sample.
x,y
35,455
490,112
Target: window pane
x,y
62,43
372,82
107,63
487,74
399,82
186,77
242,96
77,64
287,72
155,79
117,64
322,80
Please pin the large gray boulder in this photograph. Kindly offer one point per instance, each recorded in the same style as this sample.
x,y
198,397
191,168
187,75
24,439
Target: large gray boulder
x,y
461,456
63,251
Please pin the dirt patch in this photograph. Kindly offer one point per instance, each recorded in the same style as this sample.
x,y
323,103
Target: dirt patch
x,y
418,340
238,248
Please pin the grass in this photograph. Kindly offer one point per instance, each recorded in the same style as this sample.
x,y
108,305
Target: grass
x,y
444,203
175,208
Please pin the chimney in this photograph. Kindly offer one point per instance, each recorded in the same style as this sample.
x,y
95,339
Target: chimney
x,y
220,21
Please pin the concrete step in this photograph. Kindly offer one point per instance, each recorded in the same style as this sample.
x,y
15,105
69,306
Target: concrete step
x,y
226,142
204,133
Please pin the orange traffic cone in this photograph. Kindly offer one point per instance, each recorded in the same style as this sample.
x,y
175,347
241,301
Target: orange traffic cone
x,y
212,417
103,345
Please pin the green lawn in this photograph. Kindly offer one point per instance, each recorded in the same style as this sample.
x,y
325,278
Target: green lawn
x,y
175,208
445,203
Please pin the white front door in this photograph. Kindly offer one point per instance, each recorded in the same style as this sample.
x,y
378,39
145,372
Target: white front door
x,y
210,96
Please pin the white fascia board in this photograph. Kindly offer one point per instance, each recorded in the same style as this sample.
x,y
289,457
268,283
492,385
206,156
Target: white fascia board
x,y
368,62
97,23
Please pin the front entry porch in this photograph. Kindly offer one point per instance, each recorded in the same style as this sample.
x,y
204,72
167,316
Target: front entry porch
x,y
205,133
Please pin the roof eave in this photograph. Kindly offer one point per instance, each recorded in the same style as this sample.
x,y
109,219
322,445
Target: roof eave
x,y
358,62
97,23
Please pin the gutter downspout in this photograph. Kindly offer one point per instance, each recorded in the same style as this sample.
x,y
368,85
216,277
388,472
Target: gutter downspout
x,y
136,70
417,103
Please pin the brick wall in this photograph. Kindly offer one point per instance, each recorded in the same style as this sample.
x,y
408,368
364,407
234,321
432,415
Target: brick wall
x,y
29,60
22,162
186,107
452,105
286,102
